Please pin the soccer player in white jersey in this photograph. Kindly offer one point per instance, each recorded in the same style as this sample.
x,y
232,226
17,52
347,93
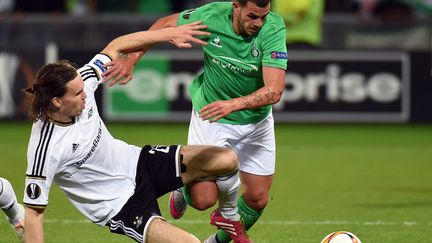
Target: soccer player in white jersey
x,y
13,210
110,182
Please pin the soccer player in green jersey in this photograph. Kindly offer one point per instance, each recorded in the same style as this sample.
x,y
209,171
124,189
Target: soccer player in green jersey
x,y
244,74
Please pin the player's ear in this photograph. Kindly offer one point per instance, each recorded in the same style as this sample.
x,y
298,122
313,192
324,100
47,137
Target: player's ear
x,y
236,7
56,102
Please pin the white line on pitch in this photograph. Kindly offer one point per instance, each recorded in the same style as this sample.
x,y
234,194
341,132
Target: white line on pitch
x,y
274,222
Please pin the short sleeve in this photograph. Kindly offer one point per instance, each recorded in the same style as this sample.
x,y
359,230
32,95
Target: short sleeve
x,y
274,47
91,73
192,15
41,165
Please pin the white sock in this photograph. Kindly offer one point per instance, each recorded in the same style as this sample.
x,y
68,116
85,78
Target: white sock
x,y
211,239
8,202
228,192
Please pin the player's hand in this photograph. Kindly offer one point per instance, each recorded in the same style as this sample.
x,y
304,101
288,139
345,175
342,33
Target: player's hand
x,y
216,110
119,71
184,35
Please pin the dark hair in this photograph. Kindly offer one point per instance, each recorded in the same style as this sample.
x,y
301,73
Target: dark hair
x,y
259,3
50,82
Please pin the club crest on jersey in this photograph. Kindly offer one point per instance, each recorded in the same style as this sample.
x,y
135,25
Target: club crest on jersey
x,y
188,13
33,191
74,147
216,42
255,52
279,55
100,65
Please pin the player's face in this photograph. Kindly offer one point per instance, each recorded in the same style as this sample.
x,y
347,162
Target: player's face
x,y
249,19
73,102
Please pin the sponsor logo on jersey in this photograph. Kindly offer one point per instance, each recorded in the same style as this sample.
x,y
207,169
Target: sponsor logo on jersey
x,y
74,147
100,65
229,63
188,13
255,52
216,42
90,113
279,55
33,191
93,148
138,221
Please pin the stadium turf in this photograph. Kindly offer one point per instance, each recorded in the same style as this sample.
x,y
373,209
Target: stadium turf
x,y
372,180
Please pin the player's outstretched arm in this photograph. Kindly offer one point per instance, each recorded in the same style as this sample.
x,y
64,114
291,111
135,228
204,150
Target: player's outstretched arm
x,y
138,40
122,68
34,225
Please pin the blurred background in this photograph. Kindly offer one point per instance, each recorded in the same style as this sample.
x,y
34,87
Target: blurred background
x,y
351,60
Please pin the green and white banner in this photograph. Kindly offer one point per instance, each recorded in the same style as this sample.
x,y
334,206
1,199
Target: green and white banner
x,y
158,91
320,86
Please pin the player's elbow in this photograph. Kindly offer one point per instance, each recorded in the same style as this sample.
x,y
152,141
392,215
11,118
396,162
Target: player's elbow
x,y
274,95
164,22
278,97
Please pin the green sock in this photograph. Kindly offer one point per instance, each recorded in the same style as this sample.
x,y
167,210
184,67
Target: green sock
x,y
186,194
249,217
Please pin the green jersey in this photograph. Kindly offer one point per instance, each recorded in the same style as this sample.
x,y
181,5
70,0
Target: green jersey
x,y
233,63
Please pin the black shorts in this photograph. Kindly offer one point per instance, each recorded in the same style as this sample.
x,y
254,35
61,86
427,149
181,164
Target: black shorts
x,y
158,172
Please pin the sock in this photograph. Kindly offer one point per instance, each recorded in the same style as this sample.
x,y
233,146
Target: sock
x,y
8,202
228,187
249,217
186,194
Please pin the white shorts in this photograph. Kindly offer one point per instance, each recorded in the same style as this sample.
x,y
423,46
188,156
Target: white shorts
x,y
254,143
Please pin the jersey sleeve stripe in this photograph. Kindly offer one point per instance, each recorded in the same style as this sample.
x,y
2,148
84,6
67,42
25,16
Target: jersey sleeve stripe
x,y
38,147
89,76
46,134
46,149
35,177
35,205
88,72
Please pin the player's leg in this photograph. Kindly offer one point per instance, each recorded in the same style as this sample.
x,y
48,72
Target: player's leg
x,y
228,182
205,196
257,156
251,204
256,190
13,210
199,195
203,161
161,231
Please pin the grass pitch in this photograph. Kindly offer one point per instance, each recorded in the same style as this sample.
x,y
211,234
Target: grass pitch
x,y
372,180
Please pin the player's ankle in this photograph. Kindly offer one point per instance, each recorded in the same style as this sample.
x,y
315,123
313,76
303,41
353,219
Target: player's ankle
x,y
230,214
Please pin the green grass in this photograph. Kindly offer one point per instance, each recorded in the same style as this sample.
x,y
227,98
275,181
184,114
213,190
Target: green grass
x,y
373,180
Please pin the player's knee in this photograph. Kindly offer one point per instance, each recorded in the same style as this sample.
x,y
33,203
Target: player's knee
x,y
230,160
256,201
203,203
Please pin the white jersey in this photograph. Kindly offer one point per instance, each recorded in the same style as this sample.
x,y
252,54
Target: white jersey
x,y
94,170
